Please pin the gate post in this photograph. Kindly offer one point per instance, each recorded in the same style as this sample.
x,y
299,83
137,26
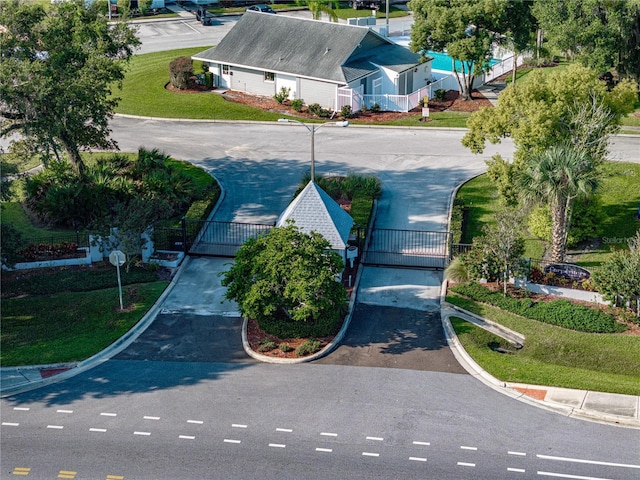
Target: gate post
x,y
183,223
450,242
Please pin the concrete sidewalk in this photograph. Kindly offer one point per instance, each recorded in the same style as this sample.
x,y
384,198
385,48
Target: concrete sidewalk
x,y
614,409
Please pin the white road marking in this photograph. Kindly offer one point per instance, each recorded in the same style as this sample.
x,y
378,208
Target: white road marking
x,y
142,433
517,470
328,450
184,23
228,440
521,454
97,429
464,464
418,459
422,443
197,422
468,448
57,427
238,425
22,409
329,434
590,462
64,411
150,418
277,445
286,430
187,437
106,414
369,454
564,475
377,439
9,424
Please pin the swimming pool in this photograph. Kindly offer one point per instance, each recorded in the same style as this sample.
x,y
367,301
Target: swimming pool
x,y
442,61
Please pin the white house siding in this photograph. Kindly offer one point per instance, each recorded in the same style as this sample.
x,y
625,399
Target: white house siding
x,y
287,81
313,91
252,81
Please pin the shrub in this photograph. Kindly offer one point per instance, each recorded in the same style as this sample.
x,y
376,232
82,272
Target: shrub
x,y
561,313
308,348
539,222
375,108
266,345
180,71
285,347
586,219
282,95
345,111
502,176
296,104
317,110
440,94
457,213
12,242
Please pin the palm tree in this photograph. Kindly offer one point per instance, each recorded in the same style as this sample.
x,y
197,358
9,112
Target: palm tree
x,y
557,176
318,7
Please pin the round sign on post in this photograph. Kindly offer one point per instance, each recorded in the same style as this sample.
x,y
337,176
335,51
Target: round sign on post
x,y
117,258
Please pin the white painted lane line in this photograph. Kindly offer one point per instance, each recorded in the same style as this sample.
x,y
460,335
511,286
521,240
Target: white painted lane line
x,y
327,450
228,440
469,448
102,430
142,433
369,454
521,454
517,470
187,437
377,439
328,434
422,443
56,427
150,418
238,425
286,430
565,475
197,422
277,445
464,464
9,424
107,414
418,459
22,409
64,411
590,462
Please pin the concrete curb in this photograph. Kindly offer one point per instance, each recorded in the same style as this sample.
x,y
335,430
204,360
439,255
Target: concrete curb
x,y
103,355
505,388
511,336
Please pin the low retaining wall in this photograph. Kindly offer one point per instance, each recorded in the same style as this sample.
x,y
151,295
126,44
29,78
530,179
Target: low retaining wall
x,y
86,260
593,297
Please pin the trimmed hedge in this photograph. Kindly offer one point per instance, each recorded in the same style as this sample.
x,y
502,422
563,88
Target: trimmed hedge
x,y
561,313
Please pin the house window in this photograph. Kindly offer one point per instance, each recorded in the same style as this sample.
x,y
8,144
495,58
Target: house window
x,y
225,69
269,77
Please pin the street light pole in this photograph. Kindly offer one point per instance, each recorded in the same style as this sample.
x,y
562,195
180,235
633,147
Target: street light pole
x,y
312,130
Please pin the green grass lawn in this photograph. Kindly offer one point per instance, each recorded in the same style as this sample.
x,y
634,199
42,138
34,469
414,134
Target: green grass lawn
x,y
552,356
619,196
143,93
67,325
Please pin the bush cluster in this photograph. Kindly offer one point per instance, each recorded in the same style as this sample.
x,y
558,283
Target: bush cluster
x,y
46,251
282,95
440,94
281,328
180,71
561,313
457,214
308,348
296,104
317,110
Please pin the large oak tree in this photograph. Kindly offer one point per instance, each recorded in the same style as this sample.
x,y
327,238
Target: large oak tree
x,y
58,67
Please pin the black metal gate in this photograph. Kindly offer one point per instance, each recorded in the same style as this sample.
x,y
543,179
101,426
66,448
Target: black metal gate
x,y
207,237
407,248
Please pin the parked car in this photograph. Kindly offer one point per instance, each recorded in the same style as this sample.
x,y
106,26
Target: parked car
x,y
260,8
568,270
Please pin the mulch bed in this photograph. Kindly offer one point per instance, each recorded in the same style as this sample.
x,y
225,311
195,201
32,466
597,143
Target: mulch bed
x,y
452,102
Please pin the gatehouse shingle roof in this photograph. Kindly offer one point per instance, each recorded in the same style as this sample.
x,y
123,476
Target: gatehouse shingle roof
x,y
314,210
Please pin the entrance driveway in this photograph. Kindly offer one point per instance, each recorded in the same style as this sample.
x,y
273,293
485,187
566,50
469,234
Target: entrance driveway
x,y
396,323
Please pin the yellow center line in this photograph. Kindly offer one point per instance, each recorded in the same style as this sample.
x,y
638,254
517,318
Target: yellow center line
x,y
115,477
21,471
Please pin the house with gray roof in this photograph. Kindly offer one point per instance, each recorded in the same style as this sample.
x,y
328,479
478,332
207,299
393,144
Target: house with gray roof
x,y
319,62
314,210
